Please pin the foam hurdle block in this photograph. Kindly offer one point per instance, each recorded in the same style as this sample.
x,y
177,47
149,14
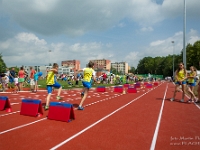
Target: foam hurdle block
x,y
31,107
118,89
155,83
126,85
101,89
137,85
132,90
149,86
5,104
61,111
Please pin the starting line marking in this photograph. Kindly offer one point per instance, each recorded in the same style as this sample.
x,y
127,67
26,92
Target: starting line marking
x,y
24,125
90,126
9,113
153,144
194,103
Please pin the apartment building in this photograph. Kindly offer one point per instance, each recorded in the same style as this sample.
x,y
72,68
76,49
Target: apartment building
x,y
73,64
101,64
120,67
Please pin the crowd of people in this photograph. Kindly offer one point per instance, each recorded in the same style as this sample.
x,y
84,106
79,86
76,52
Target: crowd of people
x,y
187,81
16,81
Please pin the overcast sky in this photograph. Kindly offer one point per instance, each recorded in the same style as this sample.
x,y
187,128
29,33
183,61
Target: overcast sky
x,y
118,30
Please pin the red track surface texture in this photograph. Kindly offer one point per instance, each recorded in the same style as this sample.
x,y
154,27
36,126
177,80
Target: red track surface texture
x,y
139,121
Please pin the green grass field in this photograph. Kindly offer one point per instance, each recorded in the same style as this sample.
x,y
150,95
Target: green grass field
x,y
65,85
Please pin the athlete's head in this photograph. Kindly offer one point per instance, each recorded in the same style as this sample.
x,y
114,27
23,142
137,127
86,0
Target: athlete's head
x,y
91,64
192,68
55,65
181,67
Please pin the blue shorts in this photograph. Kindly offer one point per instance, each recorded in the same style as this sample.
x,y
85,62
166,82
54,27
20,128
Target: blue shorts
x,y
192,84
178,83
49,87
87,84
11,80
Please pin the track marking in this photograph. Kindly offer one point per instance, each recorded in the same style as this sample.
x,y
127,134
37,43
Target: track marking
x,y
92,125
24,125
9,113
153,144
189,97
194,103
14,103
197,105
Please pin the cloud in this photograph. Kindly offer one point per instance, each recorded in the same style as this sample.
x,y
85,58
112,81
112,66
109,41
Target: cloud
x,y
156,43
74,18
193,36
146,29
121,25
28,49
30,28
133,58
163,47
172,9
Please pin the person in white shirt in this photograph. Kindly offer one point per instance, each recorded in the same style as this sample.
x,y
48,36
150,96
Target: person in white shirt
x,y
16,89
6,78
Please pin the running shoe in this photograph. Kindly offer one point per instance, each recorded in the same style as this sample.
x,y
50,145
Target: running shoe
x,y
82,94
46,108
195,100
172,99
80,108
58,98
182,100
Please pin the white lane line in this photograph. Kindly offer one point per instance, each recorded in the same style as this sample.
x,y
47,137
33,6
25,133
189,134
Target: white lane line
x,y
92,125
14,103
9,113
24,125
153,143
197,105
194,103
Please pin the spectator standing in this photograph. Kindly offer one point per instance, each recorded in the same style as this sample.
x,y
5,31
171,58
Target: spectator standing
x,y
12,75
21,75
192,83
180,77
36,77
32,82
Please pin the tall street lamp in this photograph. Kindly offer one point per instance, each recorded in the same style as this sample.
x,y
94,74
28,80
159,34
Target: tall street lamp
x,y
173,58
184,37
49,57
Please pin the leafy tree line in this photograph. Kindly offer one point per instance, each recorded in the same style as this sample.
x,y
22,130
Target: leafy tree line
x,y
164,65
2,64
157,65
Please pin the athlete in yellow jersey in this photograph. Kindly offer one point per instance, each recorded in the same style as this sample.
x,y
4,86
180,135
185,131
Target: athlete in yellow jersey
x,y
191,84
51,82
180,78
88,75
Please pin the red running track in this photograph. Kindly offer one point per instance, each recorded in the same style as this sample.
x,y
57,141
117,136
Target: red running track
x,y
116,121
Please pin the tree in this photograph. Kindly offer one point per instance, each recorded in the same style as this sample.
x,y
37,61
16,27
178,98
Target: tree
x,y
164,65
2,64
196,47
132,70
113,70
